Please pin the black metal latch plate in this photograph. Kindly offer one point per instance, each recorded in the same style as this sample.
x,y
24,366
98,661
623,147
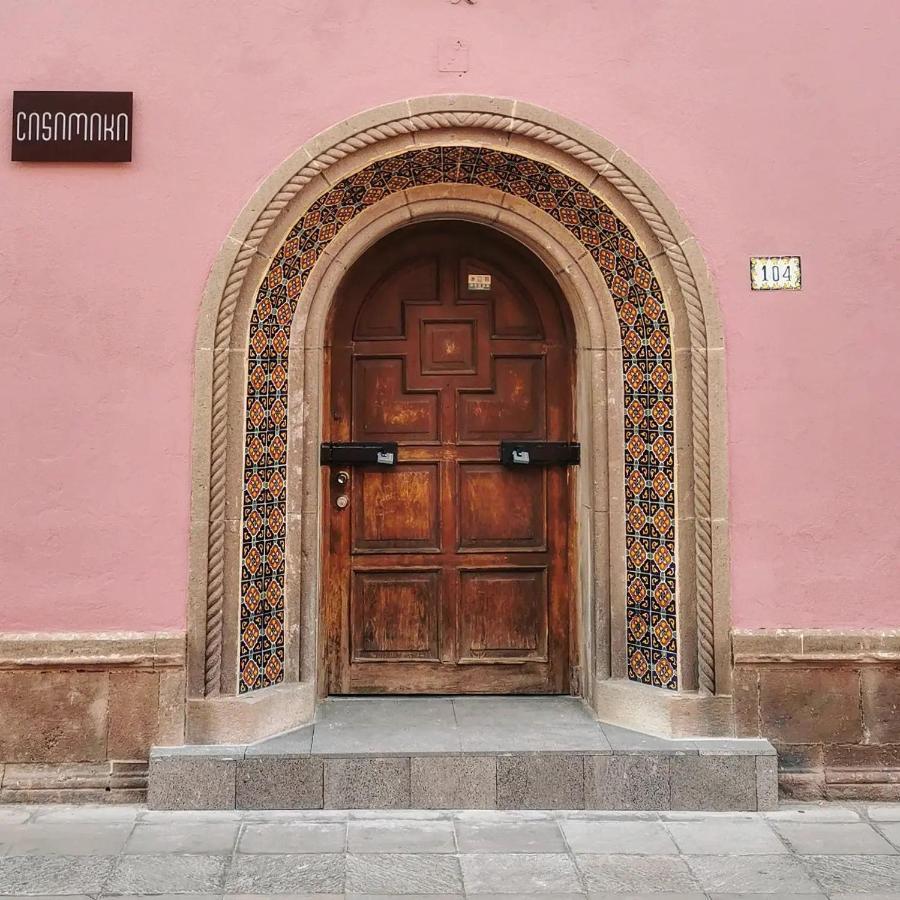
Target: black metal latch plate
x,y
356,453
540,453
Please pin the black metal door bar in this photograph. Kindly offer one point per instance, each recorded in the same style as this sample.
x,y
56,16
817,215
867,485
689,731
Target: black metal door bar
x,y
358,453
540,453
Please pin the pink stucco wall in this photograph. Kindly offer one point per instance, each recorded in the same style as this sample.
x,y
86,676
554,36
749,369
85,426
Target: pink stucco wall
x,y
774,132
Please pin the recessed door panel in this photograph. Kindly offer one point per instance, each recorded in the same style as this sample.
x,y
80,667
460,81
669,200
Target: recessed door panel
x,y
447,572
384,410
514,313
515,406
503,614
395,615
381,314
396,508
449,346
501,508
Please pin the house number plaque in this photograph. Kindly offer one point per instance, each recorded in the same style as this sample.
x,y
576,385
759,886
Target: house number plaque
x,y
775,273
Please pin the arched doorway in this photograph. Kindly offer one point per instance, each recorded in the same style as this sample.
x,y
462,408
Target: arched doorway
x,y
445,570
652,617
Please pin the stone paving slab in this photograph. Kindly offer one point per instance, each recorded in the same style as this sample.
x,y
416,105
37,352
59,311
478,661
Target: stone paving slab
x,y
625,873
650,838
24,875
167,873
752,874
286,873
519,873
884,812
890,830
813,812
453,853
834,838
381,710
178,837
528,836
401,836
715,837
386,739
293,837
394,873
855,873
59,839
534,739
292,743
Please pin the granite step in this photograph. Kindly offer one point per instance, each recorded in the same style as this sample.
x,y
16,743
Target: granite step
x,y
465,753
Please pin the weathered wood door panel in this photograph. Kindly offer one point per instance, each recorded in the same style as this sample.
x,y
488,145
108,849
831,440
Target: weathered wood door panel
x,y
447,573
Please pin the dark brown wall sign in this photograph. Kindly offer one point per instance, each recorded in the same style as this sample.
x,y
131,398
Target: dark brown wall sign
x,y
72,126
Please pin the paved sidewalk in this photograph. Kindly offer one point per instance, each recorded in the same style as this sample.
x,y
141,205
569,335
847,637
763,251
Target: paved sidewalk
x,y
820,850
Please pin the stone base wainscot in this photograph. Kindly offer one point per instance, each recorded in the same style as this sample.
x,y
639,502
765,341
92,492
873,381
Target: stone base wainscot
x,y
830,703
81,711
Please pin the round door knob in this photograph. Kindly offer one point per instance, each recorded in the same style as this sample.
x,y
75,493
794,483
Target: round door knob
x,y
342,502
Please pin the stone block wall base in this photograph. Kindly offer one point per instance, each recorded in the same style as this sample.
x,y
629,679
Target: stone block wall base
x,y
841,785
80,712
113,781
88,698
667,714
840,771
828,702
249,717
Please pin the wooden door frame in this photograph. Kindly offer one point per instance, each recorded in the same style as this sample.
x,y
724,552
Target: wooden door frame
x,y
331,614
598,538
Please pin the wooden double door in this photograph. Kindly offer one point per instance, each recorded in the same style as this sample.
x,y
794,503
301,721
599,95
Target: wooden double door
x,y
447,572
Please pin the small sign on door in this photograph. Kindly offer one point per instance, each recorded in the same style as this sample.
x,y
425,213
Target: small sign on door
x,y
479,282
775,273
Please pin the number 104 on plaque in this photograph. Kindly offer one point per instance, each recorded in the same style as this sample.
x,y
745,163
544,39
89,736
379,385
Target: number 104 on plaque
x,y
775,273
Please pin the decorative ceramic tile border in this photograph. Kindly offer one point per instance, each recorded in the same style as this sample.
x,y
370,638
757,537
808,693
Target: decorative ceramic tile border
x,y
648,402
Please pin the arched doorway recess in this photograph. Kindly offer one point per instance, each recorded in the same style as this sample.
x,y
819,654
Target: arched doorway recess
x,y
448,572
652,536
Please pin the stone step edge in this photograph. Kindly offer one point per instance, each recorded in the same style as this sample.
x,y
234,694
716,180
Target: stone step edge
x,y
527,780
688,747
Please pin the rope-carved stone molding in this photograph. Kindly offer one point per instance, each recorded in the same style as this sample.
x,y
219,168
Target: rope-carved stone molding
x,y
410,125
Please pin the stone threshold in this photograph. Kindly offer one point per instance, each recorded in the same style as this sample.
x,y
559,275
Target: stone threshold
x,y
465,753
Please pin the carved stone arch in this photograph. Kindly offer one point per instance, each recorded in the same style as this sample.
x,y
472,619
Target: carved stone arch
x,y
699,706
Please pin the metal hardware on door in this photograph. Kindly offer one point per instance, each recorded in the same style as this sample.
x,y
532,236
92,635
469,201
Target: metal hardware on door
x,y
358,453
540,453
342,481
